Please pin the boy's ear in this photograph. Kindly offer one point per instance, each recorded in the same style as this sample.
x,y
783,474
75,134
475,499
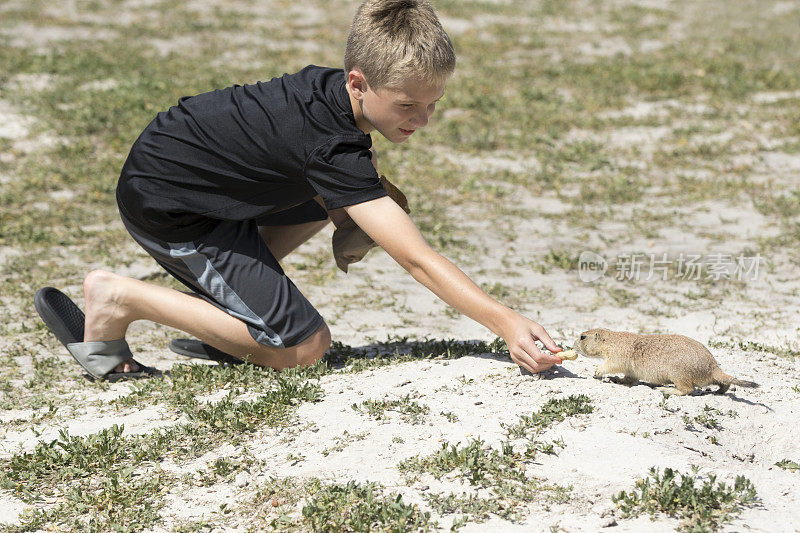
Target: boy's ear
x,y
357,83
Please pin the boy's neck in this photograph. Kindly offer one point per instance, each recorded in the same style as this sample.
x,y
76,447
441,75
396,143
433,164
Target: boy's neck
x,y
361,122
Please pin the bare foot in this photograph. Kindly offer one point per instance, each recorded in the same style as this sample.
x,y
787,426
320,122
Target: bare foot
x,y
106,314
128,366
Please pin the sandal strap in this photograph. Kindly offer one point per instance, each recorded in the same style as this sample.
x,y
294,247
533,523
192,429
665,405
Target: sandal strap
x,y
100,357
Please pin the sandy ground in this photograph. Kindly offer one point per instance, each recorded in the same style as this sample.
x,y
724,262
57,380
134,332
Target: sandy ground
x,y
631,428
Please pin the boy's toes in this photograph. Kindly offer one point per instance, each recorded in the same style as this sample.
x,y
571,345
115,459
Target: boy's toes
x,y
128,366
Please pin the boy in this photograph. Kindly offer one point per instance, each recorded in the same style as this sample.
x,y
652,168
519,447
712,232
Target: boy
x,y
222,186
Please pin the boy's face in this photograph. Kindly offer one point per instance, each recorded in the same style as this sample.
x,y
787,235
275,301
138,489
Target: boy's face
x,y
394,112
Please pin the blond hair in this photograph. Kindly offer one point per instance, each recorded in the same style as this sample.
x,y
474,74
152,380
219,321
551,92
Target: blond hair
x,y
391,41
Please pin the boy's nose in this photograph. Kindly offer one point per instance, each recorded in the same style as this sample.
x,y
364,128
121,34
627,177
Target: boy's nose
x,y
421,119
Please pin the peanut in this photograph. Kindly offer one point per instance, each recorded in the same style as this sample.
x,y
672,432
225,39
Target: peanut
x,y
568,354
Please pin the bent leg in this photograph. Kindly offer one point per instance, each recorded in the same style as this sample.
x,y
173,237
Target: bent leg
x,y
282,240
284,231
243,302
113,302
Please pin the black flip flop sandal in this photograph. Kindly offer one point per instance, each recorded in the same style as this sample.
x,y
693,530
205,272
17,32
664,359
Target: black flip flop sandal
x,y
200,350
98,358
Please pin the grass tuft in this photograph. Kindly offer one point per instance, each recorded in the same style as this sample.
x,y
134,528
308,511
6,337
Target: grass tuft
x,y
357,507
352,506
786,464
502,471
410,411
555,410
703,507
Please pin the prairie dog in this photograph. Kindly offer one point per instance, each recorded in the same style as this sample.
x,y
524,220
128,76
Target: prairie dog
x,y
656,359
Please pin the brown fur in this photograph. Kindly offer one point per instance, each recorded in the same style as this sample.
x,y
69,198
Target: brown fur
x,y
656,359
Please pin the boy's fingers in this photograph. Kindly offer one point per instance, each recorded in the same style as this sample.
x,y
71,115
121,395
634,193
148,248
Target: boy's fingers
x,y
526,362
540,357
536,354
525,358
547,341
545,358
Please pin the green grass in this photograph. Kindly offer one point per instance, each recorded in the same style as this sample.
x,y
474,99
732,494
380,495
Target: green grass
x,y
187,381
502,471
450,416
409,410
474,461
554,411
789,350
343,441
706,506
786,464
357,507
708,418
70,466
108,464
522,91
350,506
95,477
118,502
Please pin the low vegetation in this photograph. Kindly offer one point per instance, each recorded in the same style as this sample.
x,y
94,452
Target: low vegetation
x,y
351,506
566,127
786,464
703,506
503,472
409,410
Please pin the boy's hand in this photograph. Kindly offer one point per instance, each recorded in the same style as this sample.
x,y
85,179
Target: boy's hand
x,y
520,333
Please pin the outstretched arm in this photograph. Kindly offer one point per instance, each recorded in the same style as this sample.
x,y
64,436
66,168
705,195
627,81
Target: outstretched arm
x,y
392,229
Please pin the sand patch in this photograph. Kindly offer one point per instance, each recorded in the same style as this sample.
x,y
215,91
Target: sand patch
x,y
607,47
498,160
774,97
13,124
781,162
35,81
657,109
27,35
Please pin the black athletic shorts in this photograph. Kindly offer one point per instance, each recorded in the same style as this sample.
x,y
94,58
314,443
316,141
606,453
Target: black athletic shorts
x,y
232,268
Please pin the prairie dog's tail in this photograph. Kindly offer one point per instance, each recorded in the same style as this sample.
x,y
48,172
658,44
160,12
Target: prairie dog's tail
x,y
725,380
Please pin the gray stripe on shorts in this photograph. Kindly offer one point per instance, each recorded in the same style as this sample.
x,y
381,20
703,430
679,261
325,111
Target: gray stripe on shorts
x,y
211,280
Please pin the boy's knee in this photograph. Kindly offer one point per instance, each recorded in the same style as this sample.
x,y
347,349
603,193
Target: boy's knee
x,y
306,353
314,347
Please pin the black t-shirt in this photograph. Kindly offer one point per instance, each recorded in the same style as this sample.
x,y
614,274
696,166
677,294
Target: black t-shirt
x,y
246,151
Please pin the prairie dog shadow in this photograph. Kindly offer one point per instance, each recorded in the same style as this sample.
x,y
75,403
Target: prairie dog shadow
x,y
697,392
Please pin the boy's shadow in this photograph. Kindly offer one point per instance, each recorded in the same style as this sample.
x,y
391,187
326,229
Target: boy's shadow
x,y
402,350
555,371
381,353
